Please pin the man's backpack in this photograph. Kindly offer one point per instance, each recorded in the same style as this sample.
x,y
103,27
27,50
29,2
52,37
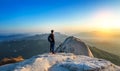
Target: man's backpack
x,y
49,38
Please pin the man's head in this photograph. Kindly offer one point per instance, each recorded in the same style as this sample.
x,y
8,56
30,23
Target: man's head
x,y
52,31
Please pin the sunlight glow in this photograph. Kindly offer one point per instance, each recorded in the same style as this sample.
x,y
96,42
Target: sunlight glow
x,y
106,21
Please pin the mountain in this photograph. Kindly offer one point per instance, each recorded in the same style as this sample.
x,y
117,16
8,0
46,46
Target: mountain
x,y
61,62
85,34
28,46
95,33
77,46
8,37
74,45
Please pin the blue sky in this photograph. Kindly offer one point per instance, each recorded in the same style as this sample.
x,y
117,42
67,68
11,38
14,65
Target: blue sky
x,y
43,15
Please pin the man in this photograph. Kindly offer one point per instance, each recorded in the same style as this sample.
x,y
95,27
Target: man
x,y
52,41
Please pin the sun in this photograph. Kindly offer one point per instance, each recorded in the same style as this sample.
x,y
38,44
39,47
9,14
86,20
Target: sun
x,y
105,22
105,29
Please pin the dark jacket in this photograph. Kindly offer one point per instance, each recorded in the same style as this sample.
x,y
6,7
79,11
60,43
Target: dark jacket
x,y
51,38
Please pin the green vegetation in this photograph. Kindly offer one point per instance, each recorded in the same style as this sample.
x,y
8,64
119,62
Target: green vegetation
x,y
105,55
28,46
25,48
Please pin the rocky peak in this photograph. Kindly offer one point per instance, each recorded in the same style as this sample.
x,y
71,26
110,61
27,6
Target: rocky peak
x,y
61,62
74,45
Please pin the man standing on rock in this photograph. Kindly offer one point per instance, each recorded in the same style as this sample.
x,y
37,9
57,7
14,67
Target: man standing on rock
x,y
52,41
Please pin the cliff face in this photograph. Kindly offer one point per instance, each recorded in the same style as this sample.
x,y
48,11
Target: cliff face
x,y
61,62
74,45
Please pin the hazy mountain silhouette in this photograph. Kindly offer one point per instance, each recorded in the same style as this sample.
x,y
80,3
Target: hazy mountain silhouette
x,y
28,46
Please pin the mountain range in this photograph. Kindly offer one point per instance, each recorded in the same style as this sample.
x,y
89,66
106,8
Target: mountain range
x,y
37,44
27,46
72,55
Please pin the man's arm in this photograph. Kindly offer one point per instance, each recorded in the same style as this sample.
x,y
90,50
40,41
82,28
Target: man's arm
x,y
53,39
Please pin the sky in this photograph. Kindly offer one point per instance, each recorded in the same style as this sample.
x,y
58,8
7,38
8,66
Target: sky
x,y
21,16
